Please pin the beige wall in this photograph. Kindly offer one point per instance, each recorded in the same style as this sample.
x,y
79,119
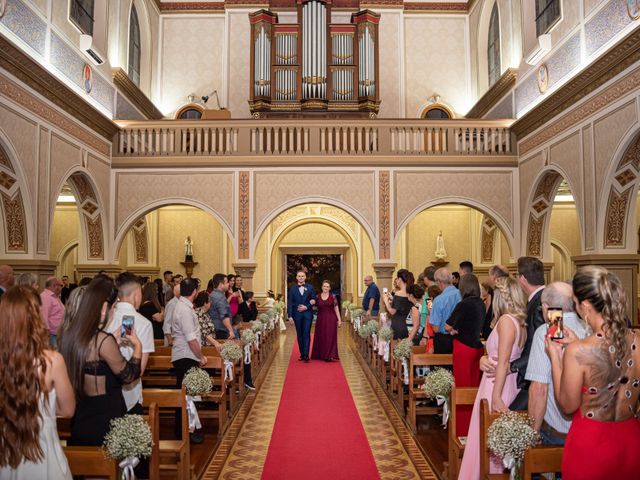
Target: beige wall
x,y
64,231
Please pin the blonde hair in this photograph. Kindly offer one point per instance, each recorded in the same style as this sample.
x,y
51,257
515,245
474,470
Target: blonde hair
x,y
509,299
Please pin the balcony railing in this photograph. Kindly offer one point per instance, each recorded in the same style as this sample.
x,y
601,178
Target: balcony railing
x,y
268,138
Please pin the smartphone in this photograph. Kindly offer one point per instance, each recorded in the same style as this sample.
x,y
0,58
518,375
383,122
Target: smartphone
x,y
127,325
385,290
554,318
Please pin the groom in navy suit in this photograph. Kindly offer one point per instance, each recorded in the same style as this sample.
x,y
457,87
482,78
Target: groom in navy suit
x,y
300,300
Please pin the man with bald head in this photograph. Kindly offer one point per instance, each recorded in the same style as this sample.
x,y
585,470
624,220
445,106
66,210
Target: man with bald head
x,y
52,307
6,278
547,417
371,299
441,309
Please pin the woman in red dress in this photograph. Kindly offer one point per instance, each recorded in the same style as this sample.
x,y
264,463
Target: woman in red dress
x,y
598,380
325,338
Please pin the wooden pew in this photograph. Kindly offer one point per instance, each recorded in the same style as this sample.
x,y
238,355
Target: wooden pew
x,y
486,419
92,462
459,396
542,459
416,394
174,454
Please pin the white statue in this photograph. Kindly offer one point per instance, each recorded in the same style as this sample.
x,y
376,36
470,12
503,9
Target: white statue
x,y
188,248
441,253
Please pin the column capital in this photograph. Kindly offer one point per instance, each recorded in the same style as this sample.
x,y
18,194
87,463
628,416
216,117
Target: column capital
x,y
384,269
246,269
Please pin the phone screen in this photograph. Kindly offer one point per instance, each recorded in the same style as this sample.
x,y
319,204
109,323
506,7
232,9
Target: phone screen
x,y
127,325
554,317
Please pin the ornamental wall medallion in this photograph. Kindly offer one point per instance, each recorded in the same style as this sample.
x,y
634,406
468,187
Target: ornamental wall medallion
x,y
616,216
87,78
543,78
633,9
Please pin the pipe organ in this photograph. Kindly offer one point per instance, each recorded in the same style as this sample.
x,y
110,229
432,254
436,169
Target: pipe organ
x,y
314,65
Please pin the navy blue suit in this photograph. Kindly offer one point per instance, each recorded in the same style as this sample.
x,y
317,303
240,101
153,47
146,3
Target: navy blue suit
x,y
302,320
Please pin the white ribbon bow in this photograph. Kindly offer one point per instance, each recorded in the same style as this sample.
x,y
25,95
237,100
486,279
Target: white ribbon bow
x,y
445,409
405,371
247,353
509,462
192,412
386,351
228,370
375,341
127,465
257,342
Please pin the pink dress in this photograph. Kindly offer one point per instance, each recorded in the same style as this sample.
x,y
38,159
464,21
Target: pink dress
x,y
470,468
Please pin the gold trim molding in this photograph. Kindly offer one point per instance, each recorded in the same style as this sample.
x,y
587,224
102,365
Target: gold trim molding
x,y
491,98
621,56
133,93
27,70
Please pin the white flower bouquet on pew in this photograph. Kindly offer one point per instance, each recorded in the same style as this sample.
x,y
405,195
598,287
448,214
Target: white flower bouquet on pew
x,y
385,334
402,351
231,353
197,382
257,326
128,440
347,306
509,437
437,386
248,337
364,331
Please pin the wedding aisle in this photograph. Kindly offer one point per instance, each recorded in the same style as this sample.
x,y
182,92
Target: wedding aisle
x,y
318,433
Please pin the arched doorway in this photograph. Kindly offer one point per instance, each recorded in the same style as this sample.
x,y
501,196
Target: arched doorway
x,y
314,235
65,234
155,242
564,233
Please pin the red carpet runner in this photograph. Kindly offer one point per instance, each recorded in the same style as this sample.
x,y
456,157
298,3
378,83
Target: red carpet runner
x,y
318,434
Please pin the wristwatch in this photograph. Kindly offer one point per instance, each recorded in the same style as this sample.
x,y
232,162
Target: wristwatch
x,y
513,368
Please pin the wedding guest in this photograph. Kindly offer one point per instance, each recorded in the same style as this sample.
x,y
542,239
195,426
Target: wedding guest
x,y
159,290
270,301
168,314
96,367
505,344
428,334
429,277
465,268
248,309
28,280
597,380
202,303
84,281
52,307
233,297
441,309
167,285
371,299
220,311
465,325
399,306
71,308
66,289
416,295
129,300
35,389
496,272
455,279
6,278
325,340
552,424
486,293
151,309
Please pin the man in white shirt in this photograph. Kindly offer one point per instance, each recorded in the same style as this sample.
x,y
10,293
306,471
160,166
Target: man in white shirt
x,y
168,314
129,299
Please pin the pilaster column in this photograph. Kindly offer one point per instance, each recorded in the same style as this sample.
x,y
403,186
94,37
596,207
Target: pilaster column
x,y
42,268
92,269
384,276
246,269
623,265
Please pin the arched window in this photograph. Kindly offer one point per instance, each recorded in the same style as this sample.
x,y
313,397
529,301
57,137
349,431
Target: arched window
x,y
437,111
191,111
134,46
493,50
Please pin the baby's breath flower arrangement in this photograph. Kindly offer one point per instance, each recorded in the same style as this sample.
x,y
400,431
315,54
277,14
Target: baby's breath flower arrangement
x,y
365,331
257,327
129,437
346,305
357,313
248,337
197,381
385,334
231,352
264,318
438,383
373,326
509,437
403,349
278,307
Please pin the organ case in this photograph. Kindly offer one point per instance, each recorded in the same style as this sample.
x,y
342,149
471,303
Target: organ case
x,y
314,65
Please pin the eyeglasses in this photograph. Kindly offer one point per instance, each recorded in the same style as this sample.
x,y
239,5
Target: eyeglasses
x,y
517,274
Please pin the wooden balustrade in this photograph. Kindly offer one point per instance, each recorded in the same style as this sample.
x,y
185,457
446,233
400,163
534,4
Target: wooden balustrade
x,y
318,137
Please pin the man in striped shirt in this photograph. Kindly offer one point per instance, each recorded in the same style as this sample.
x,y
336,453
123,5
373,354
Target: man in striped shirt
x,y
547,417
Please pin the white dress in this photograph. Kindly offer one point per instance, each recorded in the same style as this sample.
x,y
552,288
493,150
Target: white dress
x,y
54,464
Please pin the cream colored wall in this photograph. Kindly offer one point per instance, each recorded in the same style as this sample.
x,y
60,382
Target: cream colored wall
x,y
390,55
564,227
64,231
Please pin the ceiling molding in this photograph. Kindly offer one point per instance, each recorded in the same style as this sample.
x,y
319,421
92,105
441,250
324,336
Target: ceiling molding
x,y
32,74
130,90
617,59
504,84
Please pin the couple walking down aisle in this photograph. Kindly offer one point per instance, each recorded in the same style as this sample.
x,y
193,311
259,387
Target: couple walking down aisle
x,y
301,299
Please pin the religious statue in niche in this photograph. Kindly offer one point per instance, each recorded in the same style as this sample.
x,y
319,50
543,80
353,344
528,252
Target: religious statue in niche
x,y
188,250
441,253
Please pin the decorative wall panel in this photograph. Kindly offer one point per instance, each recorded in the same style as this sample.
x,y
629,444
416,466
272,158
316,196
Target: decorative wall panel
x,y
28,26
244,204
384,212
605,24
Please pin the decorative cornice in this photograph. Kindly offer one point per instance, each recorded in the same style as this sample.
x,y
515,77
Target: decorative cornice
x,y
435,7
31,73
192,7
621,56
130,90
505,83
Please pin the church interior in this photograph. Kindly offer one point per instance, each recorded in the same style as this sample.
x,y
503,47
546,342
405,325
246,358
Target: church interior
x,y
345,138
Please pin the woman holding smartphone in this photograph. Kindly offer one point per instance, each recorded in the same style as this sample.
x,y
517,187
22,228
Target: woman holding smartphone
x,y
97,369
399,306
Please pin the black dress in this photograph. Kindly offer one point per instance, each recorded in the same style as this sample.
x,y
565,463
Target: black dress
x,y
148,310
403,306
248,312
102,400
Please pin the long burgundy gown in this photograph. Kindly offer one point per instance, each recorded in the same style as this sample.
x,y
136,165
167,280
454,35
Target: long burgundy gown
x,y
325,339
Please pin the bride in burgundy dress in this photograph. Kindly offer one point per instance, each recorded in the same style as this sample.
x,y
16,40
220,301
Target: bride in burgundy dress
x,y
325,339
